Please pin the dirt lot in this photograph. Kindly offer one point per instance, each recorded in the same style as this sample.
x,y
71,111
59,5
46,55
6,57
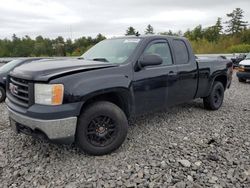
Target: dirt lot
x,y
184,147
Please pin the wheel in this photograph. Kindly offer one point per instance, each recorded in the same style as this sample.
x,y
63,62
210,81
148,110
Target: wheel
x,y
101,129
216,97
2,94
242,80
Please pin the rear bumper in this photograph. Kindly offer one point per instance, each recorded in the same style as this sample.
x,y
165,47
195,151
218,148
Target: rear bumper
x,y
244,75
57,130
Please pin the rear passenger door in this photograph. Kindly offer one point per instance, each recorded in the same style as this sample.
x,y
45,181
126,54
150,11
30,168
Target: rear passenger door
x,y
186,70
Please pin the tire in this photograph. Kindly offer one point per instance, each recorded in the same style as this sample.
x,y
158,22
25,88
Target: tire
x,y
242,80
2,94
101,129
215,100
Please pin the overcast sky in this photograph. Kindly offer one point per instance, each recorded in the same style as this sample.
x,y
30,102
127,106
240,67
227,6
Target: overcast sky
x,y
75,18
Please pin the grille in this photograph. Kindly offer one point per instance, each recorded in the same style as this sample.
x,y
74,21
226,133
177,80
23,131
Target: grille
x,y
19,90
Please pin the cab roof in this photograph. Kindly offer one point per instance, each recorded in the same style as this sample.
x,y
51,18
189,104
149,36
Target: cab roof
x,y
148,37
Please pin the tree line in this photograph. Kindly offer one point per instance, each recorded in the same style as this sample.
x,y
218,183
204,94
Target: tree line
x,y
230,36
40,46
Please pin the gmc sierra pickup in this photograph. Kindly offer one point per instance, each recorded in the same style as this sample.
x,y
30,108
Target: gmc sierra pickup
x,y
88,100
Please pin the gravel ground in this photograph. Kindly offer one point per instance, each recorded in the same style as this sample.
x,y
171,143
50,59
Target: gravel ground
x,y
184,147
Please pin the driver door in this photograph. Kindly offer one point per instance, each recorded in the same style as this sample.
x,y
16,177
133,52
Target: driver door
x,y
154,87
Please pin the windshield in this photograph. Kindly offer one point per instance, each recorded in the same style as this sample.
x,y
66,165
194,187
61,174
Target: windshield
x,y
112,50
248,56
9,66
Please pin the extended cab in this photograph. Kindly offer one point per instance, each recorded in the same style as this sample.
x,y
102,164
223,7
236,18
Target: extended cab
x,y
88,100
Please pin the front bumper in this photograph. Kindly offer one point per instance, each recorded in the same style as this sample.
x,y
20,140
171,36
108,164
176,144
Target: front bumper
x,y
56,130
243,75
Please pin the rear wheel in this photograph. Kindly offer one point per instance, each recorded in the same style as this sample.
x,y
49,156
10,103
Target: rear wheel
x,y
2,94
242,80
215,100
101,129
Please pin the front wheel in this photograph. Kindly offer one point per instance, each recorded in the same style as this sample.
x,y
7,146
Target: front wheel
x,y
215,100
101,129
2,94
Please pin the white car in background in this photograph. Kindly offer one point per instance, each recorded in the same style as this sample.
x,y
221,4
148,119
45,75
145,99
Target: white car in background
x,y
243,73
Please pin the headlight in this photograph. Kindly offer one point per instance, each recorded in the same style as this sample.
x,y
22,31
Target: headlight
x,y
49,94
241,68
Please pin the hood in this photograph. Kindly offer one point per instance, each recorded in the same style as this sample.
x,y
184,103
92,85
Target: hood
x,y
44,70
245,62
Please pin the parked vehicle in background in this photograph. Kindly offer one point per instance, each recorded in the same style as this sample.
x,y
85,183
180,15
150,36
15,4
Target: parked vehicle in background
x,y
222,57
4,71
89,100
211,57
236,60
243,73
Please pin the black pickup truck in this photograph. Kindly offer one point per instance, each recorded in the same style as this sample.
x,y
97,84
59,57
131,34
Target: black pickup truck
x,y
88,100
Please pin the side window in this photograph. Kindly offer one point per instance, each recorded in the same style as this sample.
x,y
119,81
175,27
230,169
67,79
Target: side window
x,y
181,52
162,49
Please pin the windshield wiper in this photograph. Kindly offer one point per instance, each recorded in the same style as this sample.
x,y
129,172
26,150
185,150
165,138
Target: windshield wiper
x,y
100,59
95,59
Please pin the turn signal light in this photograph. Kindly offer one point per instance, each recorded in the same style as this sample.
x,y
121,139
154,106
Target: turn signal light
x,y
57,91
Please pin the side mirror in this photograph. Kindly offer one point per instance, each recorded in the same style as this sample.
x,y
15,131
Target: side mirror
x,y
150,60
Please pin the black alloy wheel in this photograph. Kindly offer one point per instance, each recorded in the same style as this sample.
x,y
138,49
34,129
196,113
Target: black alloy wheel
x,y
102,128
216,97
101,131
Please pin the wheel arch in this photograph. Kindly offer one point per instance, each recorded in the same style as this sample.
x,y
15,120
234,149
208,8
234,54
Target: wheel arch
x,y
222,79
218,78
120,97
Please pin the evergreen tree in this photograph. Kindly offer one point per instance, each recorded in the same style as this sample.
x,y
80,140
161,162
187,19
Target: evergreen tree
x,y
130,31
149,30
171,33
99,38
236,23
212,34
218,25
196,34
69,47
59,46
